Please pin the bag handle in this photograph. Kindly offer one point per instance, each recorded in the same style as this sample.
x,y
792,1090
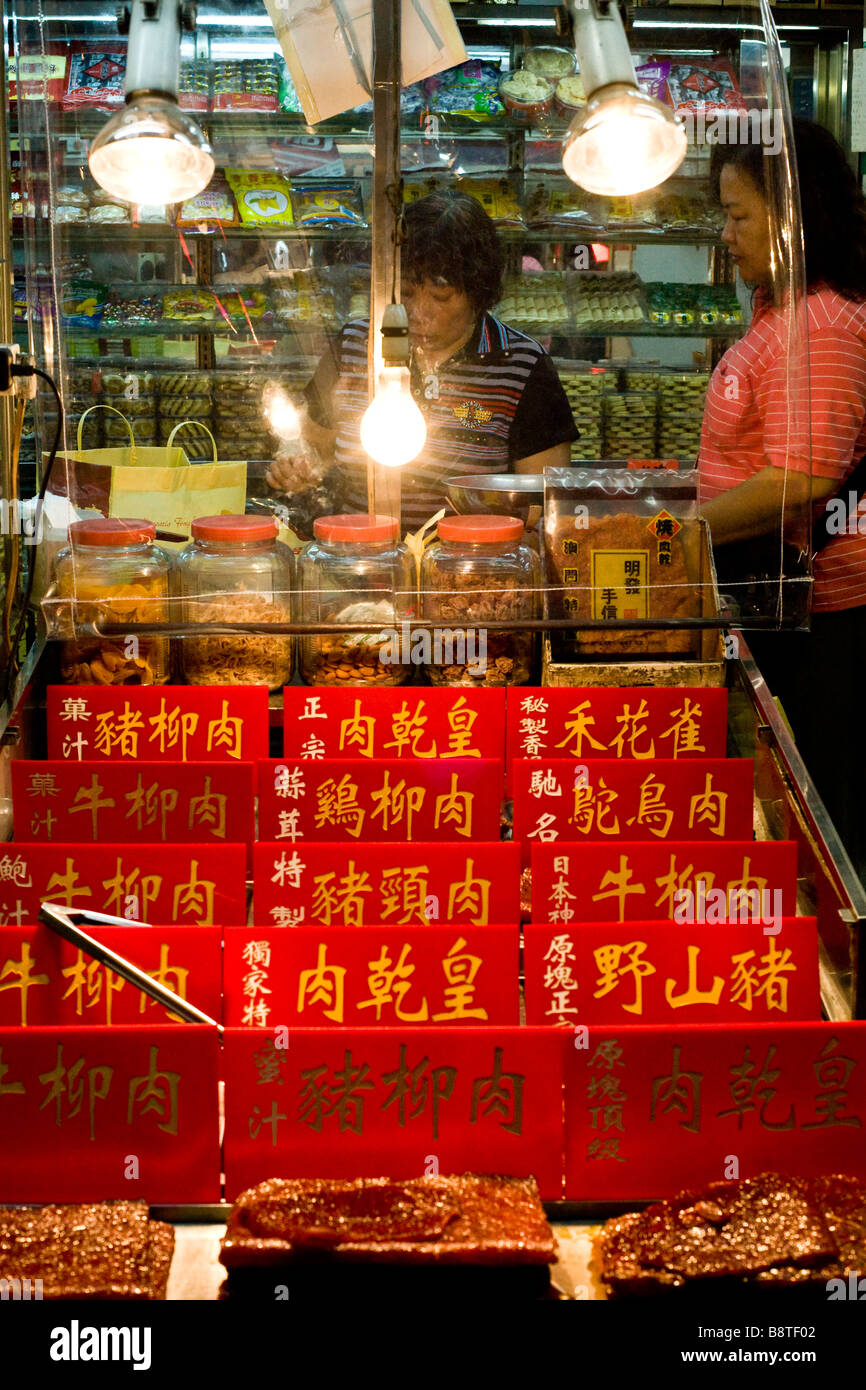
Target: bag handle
x,y
181,425
100,406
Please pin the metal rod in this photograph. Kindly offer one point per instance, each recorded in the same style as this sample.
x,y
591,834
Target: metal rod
x,y
58,916
114,630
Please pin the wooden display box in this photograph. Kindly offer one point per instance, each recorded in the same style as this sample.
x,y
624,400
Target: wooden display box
x,y
705,668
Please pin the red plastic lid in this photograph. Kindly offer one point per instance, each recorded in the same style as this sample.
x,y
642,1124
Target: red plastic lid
x,y
112,530
356,526
480,528
234,528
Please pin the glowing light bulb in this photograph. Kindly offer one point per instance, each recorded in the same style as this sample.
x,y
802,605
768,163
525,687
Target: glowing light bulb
x,y
393,430
623,142
151,152
282,416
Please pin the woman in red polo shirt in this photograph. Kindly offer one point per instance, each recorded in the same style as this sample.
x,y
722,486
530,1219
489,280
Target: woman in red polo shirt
x,y
748,438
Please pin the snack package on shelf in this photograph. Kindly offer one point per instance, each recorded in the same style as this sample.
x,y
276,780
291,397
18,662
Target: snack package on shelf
x,y
305,299
528,97
498,196
82,303
681,413
190,305
653,79
96,74
212,208
469,89
263,198
550,204
620,545
607,301
584,387
535,301
630,420
194,86
702,85
327,203
250,85
692,307
125,311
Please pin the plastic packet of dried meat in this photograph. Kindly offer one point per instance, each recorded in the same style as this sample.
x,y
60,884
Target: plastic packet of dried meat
x,y
498,198
550,205
623,544
328,203
707,85
96,74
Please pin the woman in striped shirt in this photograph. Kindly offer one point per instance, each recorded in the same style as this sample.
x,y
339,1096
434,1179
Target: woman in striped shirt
x,y
753,469
490,395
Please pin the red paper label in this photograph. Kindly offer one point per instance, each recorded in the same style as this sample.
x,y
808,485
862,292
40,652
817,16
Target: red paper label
x,y
44,980
653,1110
745,882
393,723
173,803
615,722
386,884
359,1102
606,800
186,885
385,799
101,1113
339,977
157,723
651,972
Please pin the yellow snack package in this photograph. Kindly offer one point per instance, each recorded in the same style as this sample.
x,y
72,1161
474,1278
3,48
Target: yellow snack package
x,y
263,198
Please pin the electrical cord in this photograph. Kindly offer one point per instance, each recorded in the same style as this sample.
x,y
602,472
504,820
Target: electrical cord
x,y
24,369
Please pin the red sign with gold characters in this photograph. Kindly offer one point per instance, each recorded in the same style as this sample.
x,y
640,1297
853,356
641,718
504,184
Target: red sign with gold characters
x,y
329,1103
606,800
337,977
753,881
169,803
384,799
393,722
641,722
158,723
45,980
389,885
652,1110
186,885
652,972
101,1113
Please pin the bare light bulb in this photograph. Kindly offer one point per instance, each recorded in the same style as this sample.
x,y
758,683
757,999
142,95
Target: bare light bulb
x,y
151,152
623,142
393,430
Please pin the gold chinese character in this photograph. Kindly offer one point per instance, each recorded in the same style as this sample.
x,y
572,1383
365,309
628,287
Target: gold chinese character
x,y
86,978
633,729
471,897
615,961
676,882
344,897
652,811
460,968
90,799
225,733
195,898
594,804
389,984
63,886
209,809
146,803
131,894
173,977
323,985
615,884
69,1082
121,733
691,994
461,720
404,891
169,726
392,803
358,733
408,728
454,808
337,804
709,808
685,731
158,1091
26,980
577,730
748,982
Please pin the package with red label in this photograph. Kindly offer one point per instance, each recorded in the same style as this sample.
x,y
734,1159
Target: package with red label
x,y
96,74
619,545
37,76
251,85
708,85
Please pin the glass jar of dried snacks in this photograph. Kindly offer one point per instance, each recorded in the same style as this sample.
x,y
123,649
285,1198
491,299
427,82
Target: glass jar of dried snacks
x,y
356,570
234,570
479,571
112,572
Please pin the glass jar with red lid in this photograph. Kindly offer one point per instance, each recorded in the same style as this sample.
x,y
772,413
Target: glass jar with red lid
x,y
112,572
235,570
356,570
480,570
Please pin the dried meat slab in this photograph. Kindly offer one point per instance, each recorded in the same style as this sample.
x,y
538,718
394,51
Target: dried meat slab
x,y
92,1250
468,1220
769,1229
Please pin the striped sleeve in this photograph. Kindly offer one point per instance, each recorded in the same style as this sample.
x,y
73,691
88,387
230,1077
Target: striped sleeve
x,y
837,389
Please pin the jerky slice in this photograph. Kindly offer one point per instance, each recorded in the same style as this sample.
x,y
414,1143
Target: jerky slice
x,y
92,1250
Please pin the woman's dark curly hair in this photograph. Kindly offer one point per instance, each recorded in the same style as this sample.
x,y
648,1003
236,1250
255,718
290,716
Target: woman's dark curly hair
x,y
833,206
451,240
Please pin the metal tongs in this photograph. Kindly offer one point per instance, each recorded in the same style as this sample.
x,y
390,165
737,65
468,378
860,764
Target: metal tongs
x,y
58,916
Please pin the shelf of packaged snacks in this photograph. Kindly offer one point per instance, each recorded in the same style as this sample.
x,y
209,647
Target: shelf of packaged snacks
x,y
84,235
